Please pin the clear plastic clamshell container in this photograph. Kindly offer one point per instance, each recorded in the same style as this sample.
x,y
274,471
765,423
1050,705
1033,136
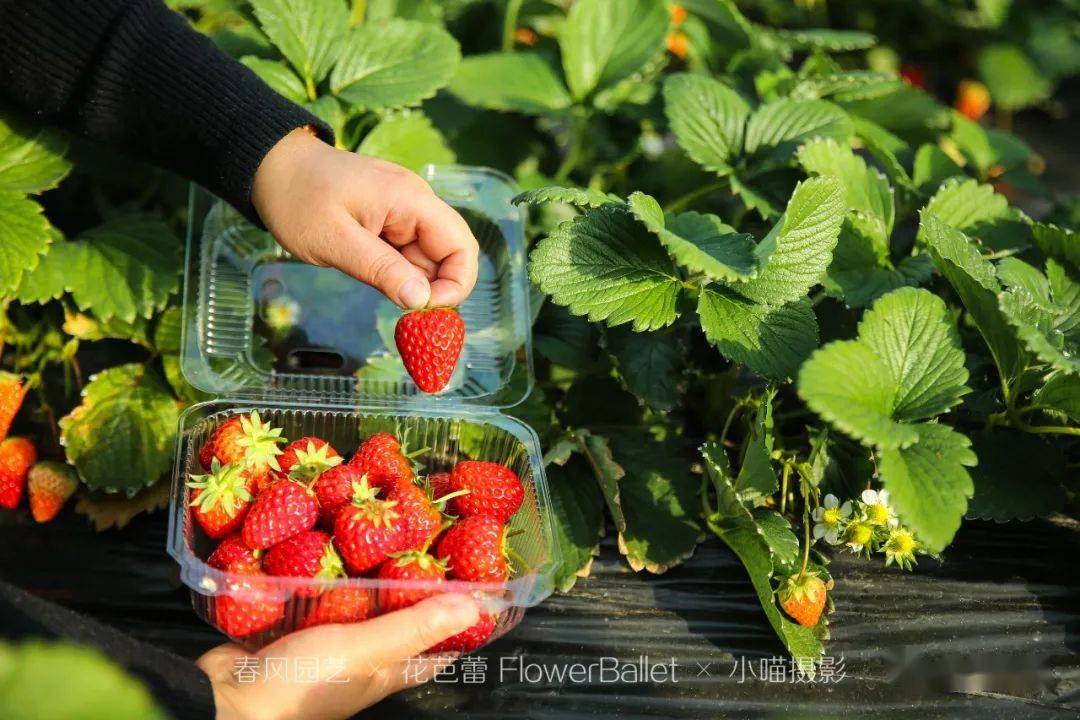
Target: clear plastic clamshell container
x,y
312,350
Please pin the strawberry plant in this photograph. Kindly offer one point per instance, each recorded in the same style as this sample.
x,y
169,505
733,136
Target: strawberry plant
x,y
782,296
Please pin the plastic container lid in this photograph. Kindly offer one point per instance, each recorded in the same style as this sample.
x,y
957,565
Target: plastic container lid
x,y
259,324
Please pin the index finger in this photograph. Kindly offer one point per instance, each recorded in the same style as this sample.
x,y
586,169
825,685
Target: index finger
x,y
445,237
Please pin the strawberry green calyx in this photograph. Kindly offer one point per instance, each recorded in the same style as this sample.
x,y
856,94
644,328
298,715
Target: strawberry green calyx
x,y
422,558
331,566
224,485
363,493
260,441
313,462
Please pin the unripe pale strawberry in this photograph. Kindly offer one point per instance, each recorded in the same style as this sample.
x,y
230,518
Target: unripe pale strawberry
x,y
49,485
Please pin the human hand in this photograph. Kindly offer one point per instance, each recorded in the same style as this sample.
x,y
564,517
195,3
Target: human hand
x,y
369,218
374,657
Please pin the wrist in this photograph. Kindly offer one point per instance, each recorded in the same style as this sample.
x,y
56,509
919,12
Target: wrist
x,y
276,166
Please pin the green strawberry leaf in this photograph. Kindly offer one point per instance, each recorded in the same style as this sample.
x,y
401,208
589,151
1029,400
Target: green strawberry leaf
x,y
515,81
1061,395
566,339
308,33
279,76
650,364
859,275
975,280
824,39
757,479
1061,244
1018,477
394,63
779,127
981,213
928,484
579,519
773,341
120,438
933,167
699,242
866,191
408,139
659,498
125,268
578,197
31,158
24,237
886,148
1011,77
1040,331
798,249
707,118
782,541
166,339
911,330
607,266
604,43
46,281
609,474
897,107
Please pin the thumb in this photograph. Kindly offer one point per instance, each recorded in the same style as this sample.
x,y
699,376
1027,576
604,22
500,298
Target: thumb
x,y
371,260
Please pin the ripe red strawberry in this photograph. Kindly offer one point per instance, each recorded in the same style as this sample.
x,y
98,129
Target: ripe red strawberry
x,y
422,516
233,553
244,440
475,549
50,484
469,639
335,489
12,392
284,510
411,566
804,599
367,531
382,459
429,342
340,604
221,499
243,611
492,489
307,458
310,554
17,454
439,484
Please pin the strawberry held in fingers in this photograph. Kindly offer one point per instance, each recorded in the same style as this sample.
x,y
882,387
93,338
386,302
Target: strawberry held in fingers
x,y
411,566
430,342
17,454
475,550
340,604
12,393
489,489
469,639
282,511
310,554
220,500
49,485
307,458
367,531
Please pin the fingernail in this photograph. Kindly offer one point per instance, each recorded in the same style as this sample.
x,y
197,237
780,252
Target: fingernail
x,y
415,293
456,605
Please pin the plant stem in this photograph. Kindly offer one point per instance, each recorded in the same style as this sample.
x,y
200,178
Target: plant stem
x,y
679,203
513,7
784,487
730,418
309,84
573,153
806,541
359,10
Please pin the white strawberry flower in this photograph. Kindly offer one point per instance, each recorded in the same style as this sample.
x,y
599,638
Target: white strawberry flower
x,y
282,313
900,548
878,510
828,518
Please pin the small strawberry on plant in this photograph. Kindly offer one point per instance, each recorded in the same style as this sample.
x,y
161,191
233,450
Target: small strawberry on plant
x,y
307,458
803,598
12,393
488,489
17,454
469,639
367,530
310,554
475,549
972,99
429,342
412,565
220,500
285,509
49,485
913,75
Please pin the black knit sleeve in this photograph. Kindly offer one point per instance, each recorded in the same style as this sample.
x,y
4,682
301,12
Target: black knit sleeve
x,y
135,76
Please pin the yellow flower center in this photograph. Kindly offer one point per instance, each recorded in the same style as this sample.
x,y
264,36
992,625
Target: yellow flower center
x,y
878,514
859,534
901,542
831,516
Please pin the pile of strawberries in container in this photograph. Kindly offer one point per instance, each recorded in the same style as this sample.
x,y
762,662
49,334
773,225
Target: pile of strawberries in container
x,y
300,510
